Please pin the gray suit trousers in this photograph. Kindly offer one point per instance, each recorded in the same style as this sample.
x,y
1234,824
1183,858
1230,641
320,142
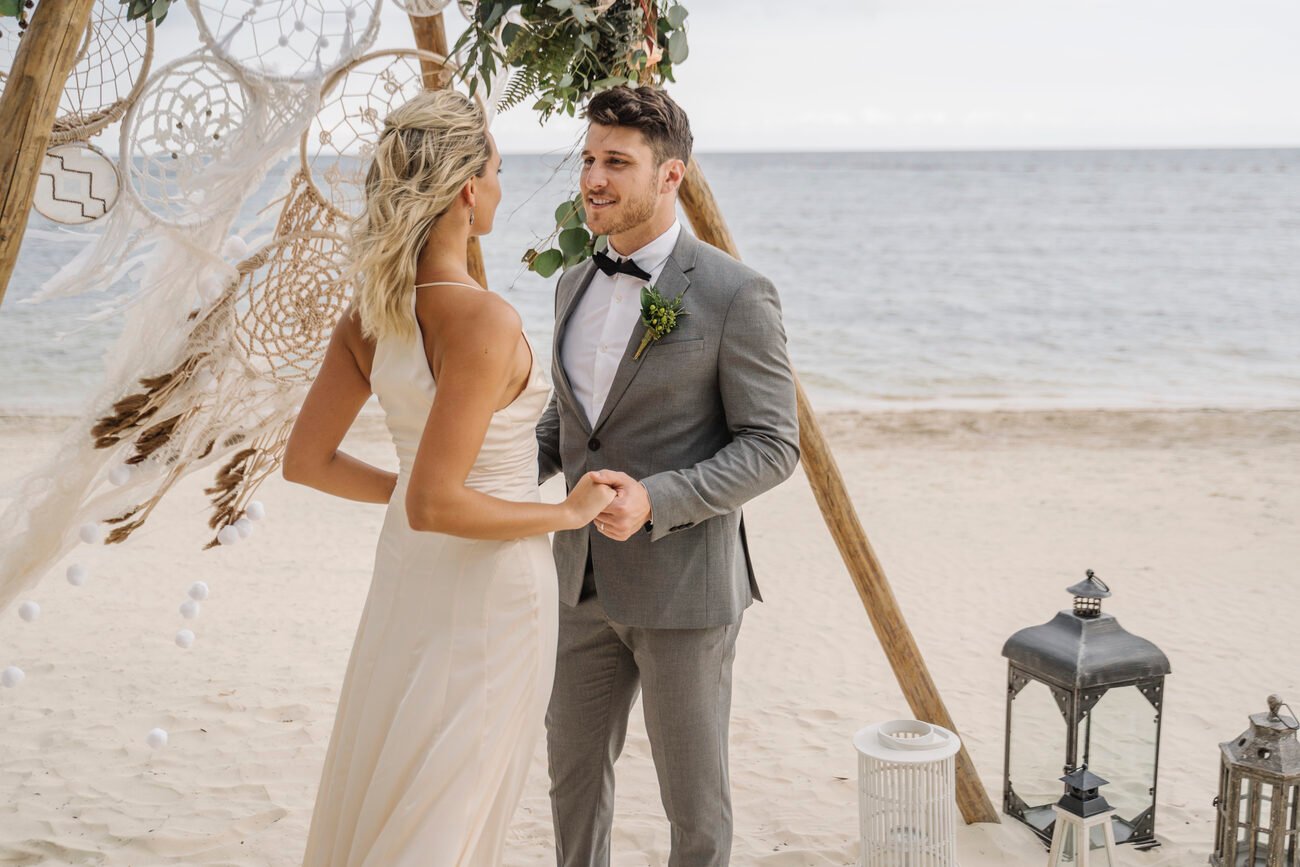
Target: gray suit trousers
x,y
684,676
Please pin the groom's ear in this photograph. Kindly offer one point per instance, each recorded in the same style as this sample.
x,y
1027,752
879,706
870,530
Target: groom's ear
x,y
675,172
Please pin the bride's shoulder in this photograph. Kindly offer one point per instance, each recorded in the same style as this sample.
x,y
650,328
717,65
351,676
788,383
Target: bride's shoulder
x,y
467,312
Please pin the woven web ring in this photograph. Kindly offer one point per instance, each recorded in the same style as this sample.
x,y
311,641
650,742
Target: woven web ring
x,y
108,76
287,40
184,124
337,146
290,295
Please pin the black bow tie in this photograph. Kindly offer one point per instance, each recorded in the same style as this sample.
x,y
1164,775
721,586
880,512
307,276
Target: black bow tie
x,y
609,267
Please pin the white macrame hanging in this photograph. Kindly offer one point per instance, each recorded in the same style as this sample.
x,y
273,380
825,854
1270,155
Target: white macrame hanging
x,y
183,385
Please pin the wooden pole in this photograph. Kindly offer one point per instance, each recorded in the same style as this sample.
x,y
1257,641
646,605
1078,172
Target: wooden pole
x,y
46,52
431,35
842,519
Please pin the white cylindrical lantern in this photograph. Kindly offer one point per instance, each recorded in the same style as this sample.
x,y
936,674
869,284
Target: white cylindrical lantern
x,y
907,803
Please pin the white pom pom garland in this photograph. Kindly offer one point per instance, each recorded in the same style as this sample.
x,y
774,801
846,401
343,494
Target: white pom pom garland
x,y
256,511
185,639
29,611
198,591
77,575
228,535
244,527
157,738
120,474
235,248
91,534
11,677
189,609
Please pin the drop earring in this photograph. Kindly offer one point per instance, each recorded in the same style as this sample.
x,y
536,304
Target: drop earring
x,y
471,216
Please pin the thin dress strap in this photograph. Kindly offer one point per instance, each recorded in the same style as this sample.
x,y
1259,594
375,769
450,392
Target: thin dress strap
x,y
449,283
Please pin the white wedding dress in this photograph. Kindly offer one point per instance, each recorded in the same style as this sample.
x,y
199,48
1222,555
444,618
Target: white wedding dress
x,y
446,690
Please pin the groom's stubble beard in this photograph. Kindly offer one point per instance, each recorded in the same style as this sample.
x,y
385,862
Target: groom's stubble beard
x,y
635,211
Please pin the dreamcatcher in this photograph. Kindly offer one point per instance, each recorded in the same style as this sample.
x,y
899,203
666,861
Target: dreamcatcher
x,y
194,378
78,182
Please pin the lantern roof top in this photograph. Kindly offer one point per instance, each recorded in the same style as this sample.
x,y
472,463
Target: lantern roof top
x,y
1269,747
1082,778
1081,652
1091,587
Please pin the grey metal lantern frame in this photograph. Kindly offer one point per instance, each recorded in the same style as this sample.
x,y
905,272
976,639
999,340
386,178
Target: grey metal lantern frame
x,y
1081,655
1258,807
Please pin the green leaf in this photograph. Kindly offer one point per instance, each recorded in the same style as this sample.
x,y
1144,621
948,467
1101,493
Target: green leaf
x,y
567,216
159,10
677,47
677,16
574,241
548,263
10,8
607,83
510,32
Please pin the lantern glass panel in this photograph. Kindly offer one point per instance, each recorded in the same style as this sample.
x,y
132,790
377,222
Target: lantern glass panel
x,y
1117,739
1036,761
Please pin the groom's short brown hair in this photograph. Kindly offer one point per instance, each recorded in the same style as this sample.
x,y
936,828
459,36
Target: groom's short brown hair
x,y
651,110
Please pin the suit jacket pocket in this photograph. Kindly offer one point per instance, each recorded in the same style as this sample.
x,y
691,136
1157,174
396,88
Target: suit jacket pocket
x,y
667,345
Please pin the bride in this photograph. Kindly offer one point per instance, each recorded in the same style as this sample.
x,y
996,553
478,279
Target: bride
x,y
448,681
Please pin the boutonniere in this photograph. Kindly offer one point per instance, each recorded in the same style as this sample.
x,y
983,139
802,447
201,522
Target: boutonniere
x,y
658,315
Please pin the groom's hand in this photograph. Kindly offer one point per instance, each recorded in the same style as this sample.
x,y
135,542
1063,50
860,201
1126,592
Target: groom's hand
x,y
630,509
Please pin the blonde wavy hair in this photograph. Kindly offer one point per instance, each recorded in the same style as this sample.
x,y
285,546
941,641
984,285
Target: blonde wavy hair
x,y
431,146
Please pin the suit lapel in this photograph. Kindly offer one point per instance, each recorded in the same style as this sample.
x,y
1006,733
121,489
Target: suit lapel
x,y
562,379
671,283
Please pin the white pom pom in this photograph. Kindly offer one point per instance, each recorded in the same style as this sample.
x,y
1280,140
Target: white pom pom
x,y
228,535
185,639
300,25
211,286
205,381
244,527
12,676
284,41
323,43
198,591
189,609
256,511
120,474
91,534
235,248
157,738
29,611
77,574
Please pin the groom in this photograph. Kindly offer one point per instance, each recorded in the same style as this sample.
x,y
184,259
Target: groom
x,y
704,420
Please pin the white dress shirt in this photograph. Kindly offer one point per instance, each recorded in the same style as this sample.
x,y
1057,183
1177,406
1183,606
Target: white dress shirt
x,y
597,333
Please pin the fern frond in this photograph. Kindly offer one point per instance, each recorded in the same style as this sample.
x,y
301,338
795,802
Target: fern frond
x,y
523,84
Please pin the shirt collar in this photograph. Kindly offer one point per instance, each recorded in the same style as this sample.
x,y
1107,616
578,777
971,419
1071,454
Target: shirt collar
x,y
653,255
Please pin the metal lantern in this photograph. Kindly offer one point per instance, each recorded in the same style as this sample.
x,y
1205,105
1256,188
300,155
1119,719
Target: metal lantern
x,y
1083,833
1082,691
1259,794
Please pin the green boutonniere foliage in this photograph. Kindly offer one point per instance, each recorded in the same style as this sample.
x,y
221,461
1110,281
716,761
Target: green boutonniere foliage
x,y
659,316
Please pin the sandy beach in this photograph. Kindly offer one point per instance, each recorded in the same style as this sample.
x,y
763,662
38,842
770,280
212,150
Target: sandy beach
x,y
980,519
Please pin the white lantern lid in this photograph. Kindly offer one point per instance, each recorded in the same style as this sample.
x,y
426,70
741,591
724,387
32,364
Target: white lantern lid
x,y
906,741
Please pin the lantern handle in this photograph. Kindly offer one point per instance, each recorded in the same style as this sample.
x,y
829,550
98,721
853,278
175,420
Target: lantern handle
x,y
1275,704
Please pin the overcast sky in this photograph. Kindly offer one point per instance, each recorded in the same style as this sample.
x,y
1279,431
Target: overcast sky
x,y
944,74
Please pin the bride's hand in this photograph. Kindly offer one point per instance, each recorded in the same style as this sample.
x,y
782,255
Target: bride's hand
x,y
587,500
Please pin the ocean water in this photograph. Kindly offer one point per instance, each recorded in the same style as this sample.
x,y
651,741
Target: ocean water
x,y
914,280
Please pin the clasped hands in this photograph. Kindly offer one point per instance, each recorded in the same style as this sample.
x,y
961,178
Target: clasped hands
x,y
630,509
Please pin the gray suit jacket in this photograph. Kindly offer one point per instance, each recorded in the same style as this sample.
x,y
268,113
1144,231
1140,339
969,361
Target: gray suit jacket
x,y
705,419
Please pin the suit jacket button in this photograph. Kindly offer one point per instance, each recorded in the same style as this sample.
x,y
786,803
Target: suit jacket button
x,y
593,444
